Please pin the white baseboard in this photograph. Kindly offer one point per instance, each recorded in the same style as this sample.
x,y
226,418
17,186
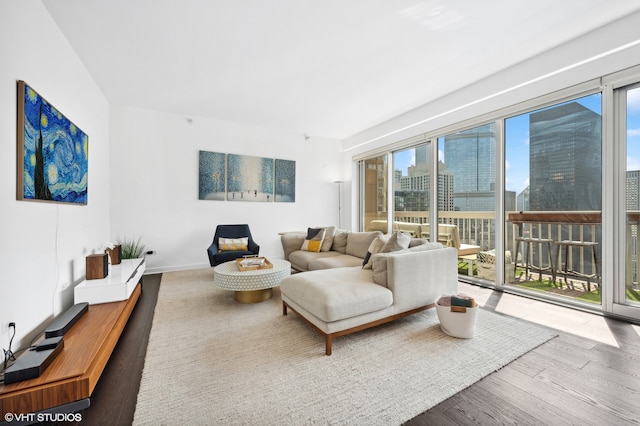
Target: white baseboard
x,y
162,269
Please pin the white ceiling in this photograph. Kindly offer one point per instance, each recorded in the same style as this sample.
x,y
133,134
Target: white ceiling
x,y
328,68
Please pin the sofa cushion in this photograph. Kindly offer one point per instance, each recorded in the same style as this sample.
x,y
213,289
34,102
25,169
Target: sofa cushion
x,y
426,245
398,241
340,241
227,256
379,266
418,242
338,261
301,259
313,240
327,296
358,242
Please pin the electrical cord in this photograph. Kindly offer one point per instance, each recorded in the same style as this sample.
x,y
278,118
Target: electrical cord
x,y
17,352
8,354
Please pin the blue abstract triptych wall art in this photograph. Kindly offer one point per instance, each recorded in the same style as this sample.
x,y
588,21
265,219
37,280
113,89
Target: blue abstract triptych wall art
x,y
52,152
236,177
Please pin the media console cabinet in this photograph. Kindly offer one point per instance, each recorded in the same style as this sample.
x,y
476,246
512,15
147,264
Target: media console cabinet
x,y
68,382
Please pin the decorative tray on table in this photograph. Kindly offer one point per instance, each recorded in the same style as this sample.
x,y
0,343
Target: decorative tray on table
x,y
253,263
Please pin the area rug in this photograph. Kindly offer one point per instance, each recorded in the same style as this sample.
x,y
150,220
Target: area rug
x,y
211,360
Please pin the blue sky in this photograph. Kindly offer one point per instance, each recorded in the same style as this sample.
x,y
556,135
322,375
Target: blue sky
x,y
633,129
517,140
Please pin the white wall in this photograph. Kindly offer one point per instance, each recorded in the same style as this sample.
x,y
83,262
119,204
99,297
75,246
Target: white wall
x,y
143,180
43,248
154,184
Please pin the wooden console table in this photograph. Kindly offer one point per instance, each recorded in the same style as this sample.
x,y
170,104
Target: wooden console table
x,y
74,373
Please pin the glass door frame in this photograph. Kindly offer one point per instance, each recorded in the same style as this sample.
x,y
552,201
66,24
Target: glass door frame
x,y
614,296
613,218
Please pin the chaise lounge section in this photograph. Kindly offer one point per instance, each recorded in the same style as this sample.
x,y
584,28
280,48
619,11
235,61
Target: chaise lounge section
x,y
343,300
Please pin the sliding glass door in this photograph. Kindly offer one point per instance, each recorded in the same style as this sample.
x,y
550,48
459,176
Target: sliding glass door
x,y
467,198
627,294
553,196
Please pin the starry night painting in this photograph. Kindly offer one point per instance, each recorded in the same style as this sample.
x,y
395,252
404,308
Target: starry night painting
x,y
52,152
285,181
212,176
249,178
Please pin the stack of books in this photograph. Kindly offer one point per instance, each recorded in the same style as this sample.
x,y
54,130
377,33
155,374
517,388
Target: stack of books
x,y
458,302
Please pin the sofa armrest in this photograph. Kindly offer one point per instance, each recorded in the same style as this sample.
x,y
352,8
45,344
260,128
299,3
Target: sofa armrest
x,y
291,241
420,278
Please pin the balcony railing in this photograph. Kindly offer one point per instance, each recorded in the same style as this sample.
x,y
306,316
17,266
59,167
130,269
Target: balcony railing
x,y
478,228
576,242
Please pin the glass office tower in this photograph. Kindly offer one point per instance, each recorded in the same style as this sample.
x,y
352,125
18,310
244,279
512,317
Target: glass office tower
x,y
565,155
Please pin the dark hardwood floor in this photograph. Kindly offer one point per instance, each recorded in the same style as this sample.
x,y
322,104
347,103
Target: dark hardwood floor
x,y
588,375
113,401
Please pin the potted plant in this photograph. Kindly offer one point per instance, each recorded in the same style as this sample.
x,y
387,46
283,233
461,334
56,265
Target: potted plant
x,y
131,248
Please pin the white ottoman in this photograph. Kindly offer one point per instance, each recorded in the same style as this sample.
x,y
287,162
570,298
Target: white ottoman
x,y
457,324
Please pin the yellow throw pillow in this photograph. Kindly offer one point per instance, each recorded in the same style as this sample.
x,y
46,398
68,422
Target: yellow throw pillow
x,y
233,244
313,240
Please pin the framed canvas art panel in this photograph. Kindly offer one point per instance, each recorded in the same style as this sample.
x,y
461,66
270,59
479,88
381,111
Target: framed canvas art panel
x,y
212,176
53,153
249,178
285,181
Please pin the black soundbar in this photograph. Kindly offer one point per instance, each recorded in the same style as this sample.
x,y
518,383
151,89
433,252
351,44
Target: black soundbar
x,y
64,322
31,364
49,343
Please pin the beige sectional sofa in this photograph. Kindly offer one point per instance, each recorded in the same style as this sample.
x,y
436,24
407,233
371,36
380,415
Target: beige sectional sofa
x,y
340,248
337,296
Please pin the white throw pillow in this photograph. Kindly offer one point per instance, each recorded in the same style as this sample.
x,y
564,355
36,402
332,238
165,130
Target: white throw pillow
x,y
327,242
233,244
374,248
398,241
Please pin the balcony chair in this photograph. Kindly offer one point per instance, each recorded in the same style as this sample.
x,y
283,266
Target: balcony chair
x,y
528,244
568,271
217,256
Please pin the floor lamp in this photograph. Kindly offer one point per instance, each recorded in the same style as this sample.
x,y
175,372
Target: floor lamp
x,y
339,182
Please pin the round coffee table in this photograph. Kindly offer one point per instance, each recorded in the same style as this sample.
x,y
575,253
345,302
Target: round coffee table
x,y
253,286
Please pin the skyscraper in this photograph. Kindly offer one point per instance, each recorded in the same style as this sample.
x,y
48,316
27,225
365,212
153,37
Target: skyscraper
x,y
565,156
412,192
633,189
470,156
